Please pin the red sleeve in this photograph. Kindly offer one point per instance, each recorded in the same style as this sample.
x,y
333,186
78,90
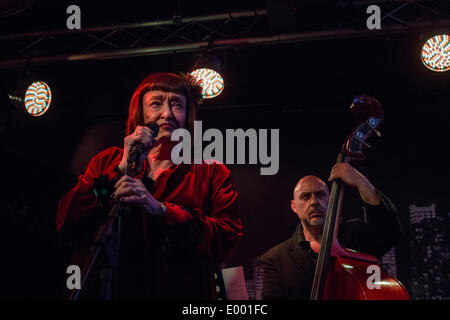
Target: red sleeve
x,y
218,230
79,214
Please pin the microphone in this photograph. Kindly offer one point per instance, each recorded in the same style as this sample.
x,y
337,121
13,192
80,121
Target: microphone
x,y
138,152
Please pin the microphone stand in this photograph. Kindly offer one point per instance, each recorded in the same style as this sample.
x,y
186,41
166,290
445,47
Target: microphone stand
x,y
108,236
108,241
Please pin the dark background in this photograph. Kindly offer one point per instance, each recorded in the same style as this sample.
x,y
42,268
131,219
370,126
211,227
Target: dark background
x,y
302,89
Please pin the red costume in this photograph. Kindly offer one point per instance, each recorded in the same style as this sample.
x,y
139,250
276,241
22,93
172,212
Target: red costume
x,y
181,251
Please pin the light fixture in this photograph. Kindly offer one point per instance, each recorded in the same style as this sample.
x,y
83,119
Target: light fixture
x,y
436,53
36,98
207,69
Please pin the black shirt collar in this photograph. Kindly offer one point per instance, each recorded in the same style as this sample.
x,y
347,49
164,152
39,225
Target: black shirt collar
x,y
303,243
301,236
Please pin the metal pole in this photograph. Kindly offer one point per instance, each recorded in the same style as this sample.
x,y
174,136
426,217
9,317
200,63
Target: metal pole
x,y
210,17
220,44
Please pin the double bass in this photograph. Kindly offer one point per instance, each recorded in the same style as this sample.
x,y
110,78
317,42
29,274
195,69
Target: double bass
x,y
342,273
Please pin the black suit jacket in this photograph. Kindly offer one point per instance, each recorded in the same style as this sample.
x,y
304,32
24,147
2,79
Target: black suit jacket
x,y
290,265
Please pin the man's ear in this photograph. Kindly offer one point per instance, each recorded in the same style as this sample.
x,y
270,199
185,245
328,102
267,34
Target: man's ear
x,y
293,206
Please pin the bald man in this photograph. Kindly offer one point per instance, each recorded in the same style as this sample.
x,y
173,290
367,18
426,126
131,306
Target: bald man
x,y
289,266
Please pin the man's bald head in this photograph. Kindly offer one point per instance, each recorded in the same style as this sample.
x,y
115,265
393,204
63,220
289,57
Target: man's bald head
x,y
310,201
306,180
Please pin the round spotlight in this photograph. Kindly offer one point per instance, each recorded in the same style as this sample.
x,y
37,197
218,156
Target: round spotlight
x,y
436,53
207,71
37,98
210,80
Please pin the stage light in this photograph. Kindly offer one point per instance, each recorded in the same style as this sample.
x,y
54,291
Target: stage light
x,y
211,82
207,69
36,100
436,53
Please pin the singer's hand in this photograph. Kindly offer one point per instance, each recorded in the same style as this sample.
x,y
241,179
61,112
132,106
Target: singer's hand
x,y
133,192
141,134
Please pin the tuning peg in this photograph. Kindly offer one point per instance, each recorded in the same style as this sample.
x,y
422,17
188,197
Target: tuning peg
x,y
363,142
371,122
378,133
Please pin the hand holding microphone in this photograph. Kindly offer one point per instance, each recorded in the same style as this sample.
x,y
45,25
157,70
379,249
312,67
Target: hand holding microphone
x,y
131,191
137,146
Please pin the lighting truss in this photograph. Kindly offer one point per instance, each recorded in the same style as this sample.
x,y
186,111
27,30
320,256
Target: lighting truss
x,y
215,31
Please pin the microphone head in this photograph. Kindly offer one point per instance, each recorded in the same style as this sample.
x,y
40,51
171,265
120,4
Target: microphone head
x,y
154,128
